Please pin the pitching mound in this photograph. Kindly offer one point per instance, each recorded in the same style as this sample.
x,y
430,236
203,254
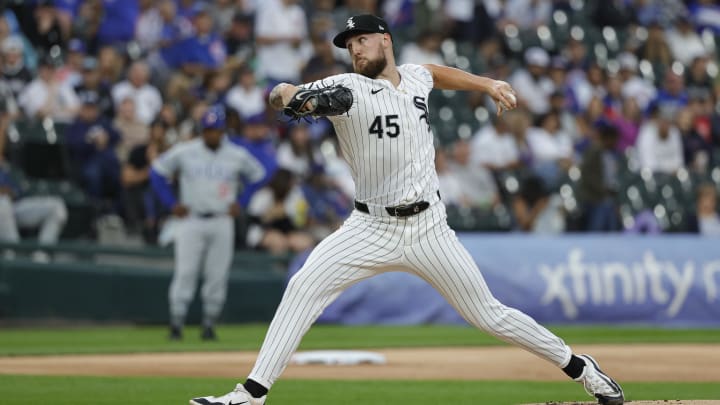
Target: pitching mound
x,y
665,402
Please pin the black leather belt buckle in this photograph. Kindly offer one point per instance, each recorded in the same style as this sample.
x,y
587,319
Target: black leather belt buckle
x,y
407,210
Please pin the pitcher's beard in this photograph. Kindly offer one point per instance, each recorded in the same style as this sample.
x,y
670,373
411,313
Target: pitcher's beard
x,y
372,69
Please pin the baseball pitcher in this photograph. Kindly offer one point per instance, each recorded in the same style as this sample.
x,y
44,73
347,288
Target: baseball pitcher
x,y
380,114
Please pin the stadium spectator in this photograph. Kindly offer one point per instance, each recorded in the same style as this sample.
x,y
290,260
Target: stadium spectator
x,y
635,87
451,189
697,79
246,97
324,63
117,26
628,124
91,142
697,150
532,85
9,27
707,220
494,147
672,95
85,23
147,98
142,208
173,29
601,165
239,38
297,153
91,83
536,209
14,72
204,49
527,14
48,213
280,28
704,15
46,32
215,86
655,49
685,44
132,132
256,138
110,64
223,13
477,183
149,26
661,12
425,50
552,149
278,213
327,205
71,72
659,143
46,96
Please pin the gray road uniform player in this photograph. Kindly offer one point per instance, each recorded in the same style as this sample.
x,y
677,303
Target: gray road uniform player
x,y
210,170
399,222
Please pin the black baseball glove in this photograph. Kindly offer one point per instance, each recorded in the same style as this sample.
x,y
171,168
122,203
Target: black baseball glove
x,y
321,101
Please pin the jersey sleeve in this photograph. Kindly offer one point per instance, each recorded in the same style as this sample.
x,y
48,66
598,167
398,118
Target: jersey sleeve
x,y
169,162
343,79
421,73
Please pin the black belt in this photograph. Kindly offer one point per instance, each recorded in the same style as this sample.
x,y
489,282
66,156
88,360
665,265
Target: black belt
x,y
404,210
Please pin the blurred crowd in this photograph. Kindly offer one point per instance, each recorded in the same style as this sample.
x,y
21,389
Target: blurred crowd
x,y
618,127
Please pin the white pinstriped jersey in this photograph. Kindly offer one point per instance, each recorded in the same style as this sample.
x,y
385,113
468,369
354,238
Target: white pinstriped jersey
x,y
386,137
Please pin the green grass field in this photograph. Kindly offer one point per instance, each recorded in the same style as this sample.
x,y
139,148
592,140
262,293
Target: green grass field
x,y
20,390
137,390
23,341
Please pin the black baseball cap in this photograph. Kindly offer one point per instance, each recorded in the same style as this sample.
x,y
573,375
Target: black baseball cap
x,y
363,23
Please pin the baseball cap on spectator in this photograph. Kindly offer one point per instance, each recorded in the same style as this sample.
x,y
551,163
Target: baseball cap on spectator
x,y
359,24
213,118
76,45
628,61
537,56
12,43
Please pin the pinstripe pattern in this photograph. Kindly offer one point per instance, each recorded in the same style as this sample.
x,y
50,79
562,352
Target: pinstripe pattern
x,y
390,171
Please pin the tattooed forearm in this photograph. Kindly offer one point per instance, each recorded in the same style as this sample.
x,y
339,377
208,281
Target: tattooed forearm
x,y
276,97
281,95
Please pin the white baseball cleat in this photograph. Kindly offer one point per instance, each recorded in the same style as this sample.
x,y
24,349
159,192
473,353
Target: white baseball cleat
x,y
238,396
599,384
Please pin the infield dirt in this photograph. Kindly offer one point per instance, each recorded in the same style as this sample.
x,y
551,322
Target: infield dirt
x,y
650,363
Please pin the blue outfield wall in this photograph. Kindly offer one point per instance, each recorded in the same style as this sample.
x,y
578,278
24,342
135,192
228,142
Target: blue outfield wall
x,y
669,281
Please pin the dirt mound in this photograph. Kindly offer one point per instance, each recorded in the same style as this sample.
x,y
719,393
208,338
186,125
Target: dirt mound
x,y
653,363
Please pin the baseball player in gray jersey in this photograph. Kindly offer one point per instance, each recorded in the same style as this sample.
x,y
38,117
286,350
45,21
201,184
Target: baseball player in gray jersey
x,y
399,222
209,169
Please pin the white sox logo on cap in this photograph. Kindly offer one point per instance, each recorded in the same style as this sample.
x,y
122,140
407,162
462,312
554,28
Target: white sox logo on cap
x,y
350,23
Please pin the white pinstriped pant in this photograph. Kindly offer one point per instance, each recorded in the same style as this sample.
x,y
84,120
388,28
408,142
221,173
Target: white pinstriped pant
x,y
423,245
